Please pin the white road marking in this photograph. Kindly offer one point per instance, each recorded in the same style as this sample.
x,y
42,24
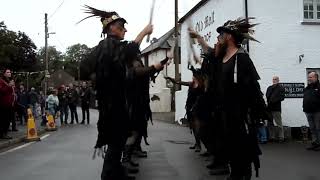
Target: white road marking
x,y
23,146
45,136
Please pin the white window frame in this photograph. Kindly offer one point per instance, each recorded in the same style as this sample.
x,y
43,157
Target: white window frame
x,y
315,18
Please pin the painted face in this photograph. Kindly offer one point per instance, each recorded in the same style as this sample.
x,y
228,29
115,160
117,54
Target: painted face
x,y
221,46
118,29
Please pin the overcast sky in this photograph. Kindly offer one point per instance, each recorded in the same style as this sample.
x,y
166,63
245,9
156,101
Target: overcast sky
x,y
28,16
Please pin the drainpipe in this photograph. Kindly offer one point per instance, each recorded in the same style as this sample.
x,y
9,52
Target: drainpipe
x,y
247,15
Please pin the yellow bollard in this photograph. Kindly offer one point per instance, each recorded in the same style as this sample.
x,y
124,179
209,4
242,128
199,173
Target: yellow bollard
x,y
32,134
51,125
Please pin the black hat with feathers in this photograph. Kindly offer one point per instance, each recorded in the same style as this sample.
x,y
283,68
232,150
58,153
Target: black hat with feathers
x,y
240,28
106,18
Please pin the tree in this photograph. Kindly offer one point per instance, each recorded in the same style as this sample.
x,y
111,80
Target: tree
x,y
55,59
17,50
74,55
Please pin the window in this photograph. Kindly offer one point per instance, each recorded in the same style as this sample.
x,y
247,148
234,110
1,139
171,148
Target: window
x,y
311,10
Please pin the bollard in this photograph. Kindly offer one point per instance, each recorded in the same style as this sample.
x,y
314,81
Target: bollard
x,y
32,134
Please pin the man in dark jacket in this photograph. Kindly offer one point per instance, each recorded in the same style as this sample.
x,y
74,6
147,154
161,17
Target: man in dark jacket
x,y
73,98
63,104
85,95
22,104
33,100
311,107
275,94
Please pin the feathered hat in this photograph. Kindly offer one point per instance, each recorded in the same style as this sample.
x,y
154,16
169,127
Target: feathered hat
x,y
240,28
106,18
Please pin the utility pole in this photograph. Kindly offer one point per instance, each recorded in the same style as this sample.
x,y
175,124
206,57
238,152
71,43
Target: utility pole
x,y
176,87
46,54
79,63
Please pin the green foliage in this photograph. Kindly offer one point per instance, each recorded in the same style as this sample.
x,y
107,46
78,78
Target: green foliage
x,y
74,56
55,58
17,51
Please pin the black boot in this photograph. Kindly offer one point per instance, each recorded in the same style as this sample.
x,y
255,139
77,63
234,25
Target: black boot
x,y
218,168
140,153
126,161
239,177
193,147
129,151
198,148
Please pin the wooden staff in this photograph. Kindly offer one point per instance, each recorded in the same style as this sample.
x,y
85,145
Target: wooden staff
x,y
151,17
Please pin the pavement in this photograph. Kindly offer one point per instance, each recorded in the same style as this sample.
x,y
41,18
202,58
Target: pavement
x,y
66,154
20,135
168,117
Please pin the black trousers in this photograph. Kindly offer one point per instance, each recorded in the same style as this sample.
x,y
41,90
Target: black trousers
x,y
73,112
85,110
240,170
64,112
13,119
22,115
112,167
7,117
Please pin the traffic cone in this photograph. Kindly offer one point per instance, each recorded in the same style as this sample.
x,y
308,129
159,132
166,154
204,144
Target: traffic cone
x,y
32,134
51,125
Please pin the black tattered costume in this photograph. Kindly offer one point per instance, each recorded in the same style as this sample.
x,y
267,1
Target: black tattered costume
x,y
228,107
122,85
231,107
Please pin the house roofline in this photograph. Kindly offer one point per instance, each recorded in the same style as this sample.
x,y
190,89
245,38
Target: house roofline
x,y
195,8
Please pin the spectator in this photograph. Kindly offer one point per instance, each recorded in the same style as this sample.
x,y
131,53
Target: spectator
x,y
63,104
85,95
14,109
73,101
53,102
33,99
275,94
22,104
42,102
6,103
311,107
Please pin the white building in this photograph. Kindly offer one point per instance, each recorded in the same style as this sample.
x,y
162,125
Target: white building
x,y
158,50
289,33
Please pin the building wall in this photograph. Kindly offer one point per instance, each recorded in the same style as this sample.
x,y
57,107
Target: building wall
x,y
159,88
283,38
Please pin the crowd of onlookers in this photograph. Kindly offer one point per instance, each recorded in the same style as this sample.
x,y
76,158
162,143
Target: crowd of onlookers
x,y
66,98
16,99
274,131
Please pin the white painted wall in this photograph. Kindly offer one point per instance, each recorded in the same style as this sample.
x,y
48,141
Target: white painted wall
x,y
283,38
159,88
